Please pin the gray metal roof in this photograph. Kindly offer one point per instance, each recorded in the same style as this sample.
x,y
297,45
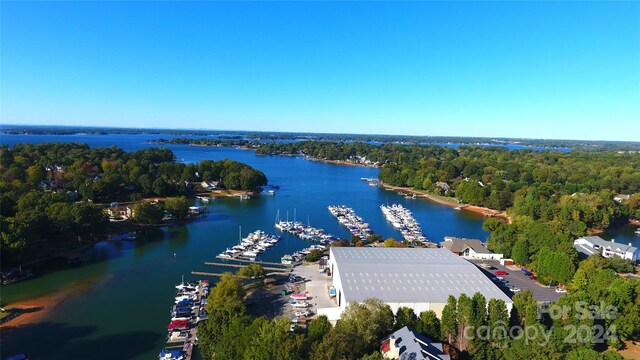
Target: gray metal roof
x,y
405,275
458,245
415,346
597,240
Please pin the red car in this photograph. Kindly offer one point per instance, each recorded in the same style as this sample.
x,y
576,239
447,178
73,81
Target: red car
x,y
501,272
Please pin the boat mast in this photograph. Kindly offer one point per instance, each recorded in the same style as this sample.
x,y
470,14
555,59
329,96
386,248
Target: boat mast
x,y
294,214
240,234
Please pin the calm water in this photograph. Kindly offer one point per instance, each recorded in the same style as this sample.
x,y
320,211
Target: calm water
x,y
124,312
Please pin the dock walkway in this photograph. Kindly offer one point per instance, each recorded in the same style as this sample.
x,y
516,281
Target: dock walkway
x,y
178,342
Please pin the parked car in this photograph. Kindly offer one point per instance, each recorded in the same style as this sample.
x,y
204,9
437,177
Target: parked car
x,y
561,291
515,289
501,272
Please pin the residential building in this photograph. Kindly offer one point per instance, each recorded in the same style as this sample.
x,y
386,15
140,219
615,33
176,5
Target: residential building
x,y
469,248
407,344
590,245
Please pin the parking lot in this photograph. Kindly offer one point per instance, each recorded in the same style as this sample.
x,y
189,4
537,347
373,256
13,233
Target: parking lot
x,y
518,279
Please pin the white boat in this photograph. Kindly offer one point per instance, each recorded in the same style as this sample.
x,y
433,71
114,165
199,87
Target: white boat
x,y
299,304
224,255
271,192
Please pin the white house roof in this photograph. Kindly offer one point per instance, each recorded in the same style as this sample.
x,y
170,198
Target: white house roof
x,y
406,275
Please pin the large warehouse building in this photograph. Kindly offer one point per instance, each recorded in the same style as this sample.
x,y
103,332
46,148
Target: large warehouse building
x,y
421,279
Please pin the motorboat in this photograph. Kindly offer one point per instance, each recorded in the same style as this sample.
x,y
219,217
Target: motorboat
x,y
172,354
299,296
299,304
178,325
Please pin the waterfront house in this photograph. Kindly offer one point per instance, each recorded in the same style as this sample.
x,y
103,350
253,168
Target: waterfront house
x,y
210,185
120,212
406,344
590,245
469,248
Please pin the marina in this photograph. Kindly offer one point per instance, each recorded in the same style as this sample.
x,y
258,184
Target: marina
x,y
402,219
250,247
349,219
188,310
304,232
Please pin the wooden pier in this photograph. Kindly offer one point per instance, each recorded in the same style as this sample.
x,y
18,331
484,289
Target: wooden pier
x,y
254,262
269,274
179,343
242,266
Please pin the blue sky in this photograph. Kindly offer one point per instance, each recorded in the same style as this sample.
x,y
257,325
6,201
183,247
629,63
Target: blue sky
x,y
497,69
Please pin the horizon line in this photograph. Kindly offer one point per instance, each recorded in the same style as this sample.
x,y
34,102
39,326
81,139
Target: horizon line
x,y
2,126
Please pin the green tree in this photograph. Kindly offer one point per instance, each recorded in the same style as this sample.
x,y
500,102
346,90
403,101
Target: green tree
x,y
520,252
314,255
147,213
405,317
177,206
429,325
274,341
390,242
252,271
449,319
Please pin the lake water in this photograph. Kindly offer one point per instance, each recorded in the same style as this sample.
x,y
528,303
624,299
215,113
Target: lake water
x,y
125,311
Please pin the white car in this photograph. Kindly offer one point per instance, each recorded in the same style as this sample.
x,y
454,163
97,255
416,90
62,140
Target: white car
x,y
515,289
561,291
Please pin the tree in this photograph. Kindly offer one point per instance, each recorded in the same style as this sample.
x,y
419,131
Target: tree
x,y
314,255
368,322
317,329
252,271
449,319
390,242
274,341
429,325
498,328
147,213
376,355
405,317
465,321
35,174
224,303
520,252
579,281
374,238
177,206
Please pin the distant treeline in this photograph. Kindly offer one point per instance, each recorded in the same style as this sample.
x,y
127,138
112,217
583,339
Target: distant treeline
x,y
552,197
47,191
582,145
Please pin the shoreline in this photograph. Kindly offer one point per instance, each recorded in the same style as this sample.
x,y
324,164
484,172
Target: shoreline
x,y
464,207
34,310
